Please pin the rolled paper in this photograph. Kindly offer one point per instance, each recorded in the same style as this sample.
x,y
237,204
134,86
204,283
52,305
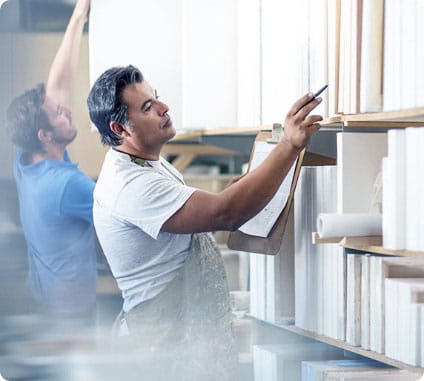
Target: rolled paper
x,y
349,224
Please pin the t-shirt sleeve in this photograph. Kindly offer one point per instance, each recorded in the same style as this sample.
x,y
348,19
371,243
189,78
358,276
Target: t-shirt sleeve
x,y
149,200
77,199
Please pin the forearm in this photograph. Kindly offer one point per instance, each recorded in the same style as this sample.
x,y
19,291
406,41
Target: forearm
x,y
66,60
229,209
248,196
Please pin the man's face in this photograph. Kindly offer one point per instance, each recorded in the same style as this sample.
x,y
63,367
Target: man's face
x,y
60,119
150,125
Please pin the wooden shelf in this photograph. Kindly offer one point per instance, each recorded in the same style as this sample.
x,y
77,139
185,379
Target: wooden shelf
x,y
197,149
371,244
195,134
404,118
343,345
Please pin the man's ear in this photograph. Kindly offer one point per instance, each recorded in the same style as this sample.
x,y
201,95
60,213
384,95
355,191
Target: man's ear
x,y
118,129
44,136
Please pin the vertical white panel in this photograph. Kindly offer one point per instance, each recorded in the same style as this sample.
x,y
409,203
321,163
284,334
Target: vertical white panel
x,y
353,303
284,56
395,210
419,55
407,54
359,157
392,55
146,34
365,301
248,63
209,64
318,51
413,176
333,46
372,56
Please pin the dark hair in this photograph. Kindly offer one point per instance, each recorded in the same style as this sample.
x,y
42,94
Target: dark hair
x,y
106,103
25,117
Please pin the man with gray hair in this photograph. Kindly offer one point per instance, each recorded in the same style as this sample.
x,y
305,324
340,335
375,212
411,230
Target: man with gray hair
x,y
154,229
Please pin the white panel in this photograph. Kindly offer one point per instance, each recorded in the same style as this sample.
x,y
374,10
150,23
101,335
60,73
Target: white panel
x,y
394,211
353,302
146,34
407,56
359,157
209,64
280,279
372,56
419,55
413,197
318,51
365,301
392,55
284,57
248,65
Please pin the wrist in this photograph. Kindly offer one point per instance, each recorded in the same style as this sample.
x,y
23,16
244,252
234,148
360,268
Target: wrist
x,y
288,145
80,15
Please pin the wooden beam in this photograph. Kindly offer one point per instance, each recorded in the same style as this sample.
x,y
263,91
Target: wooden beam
x,y
197,149
183,161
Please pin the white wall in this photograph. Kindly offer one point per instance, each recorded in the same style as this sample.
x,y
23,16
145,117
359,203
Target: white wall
x,y
146,34
284,56
209,64
217,63
185,48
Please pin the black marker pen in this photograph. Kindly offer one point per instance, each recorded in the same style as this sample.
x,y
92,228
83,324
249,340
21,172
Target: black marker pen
x,y
315,95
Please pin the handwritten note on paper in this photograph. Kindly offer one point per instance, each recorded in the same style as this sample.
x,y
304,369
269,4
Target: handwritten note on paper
x,y
262,223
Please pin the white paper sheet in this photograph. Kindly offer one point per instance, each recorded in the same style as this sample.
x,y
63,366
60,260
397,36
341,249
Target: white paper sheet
x,y
262,223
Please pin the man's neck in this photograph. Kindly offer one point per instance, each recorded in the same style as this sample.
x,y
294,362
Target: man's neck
x,y
50,153
140,153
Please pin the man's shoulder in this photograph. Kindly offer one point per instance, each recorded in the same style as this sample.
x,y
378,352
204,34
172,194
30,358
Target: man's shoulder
x,y
118,170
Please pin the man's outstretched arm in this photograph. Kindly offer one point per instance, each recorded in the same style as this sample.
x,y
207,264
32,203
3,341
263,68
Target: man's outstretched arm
x,y
66,60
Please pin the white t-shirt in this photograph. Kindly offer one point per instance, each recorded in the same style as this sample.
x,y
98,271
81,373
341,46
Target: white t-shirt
x,y
131,203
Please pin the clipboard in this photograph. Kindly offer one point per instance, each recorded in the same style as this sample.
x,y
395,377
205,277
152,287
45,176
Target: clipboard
x,y
271,244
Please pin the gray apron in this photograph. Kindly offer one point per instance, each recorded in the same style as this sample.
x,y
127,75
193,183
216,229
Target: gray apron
x,y
185,333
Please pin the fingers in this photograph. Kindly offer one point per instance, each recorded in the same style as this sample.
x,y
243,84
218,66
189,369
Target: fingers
x,y
306,109
311,119
313,128
299,104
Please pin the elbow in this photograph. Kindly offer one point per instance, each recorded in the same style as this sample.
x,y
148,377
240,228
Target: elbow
x,y
229,222
228,215
233,226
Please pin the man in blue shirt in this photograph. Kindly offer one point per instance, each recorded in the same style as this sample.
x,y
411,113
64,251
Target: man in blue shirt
x,y
55,197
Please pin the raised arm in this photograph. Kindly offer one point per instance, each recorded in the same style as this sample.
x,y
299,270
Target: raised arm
x,y
66,60
236,204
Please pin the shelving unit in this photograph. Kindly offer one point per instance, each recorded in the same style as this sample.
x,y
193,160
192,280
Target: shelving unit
x,y
370,122
343,345
188,145
370,244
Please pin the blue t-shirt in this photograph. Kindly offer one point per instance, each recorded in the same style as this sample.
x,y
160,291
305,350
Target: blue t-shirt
x,y
56,201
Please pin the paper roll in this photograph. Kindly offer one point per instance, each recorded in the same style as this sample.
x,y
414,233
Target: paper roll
x,y
351,224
